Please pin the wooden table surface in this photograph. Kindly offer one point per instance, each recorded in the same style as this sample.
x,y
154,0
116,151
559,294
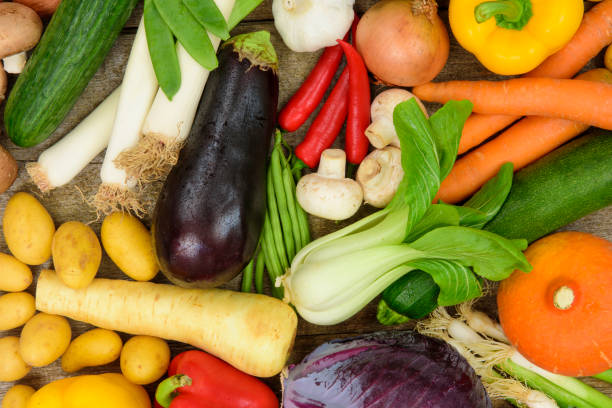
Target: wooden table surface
x,y
66,203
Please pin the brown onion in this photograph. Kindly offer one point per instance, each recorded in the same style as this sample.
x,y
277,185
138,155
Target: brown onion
x,y
44,8
403,42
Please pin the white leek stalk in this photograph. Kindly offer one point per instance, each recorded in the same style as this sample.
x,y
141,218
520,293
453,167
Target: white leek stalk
x,y
60,163
137,92
169,121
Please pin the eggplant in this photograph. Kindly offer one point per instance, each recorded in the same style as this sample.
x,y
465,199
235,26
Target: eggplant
x,y
210,212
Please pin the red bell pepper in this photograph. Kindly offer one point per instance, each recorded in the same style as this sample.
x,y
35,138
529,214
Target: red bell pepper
x,y
200,380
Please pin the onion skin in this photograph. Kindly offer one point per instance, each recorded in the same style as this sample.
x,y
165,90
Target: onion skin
x,y
400,47
44,8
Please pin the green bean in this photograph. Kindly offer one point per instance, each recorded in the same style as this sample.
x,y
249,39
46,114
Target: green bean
x,y
302,217
247,277
241,9
208,14
279,193
259,270
289,189
162,50
192,36
275,224
272,265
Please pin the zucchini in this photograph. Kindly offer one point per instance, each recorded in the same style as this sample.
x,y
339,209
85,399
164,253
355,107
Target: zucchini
x,y
412,296
70,51
565,185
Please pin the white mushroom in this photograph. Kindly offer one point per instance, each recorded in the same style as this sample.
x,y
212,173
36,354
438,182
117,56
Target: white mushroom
x,y
327,193
20,30
381,131
380,174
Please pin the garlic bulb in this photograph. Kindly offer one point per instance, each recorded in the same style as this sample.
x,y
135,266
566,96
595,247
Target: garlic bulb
x,y
309,25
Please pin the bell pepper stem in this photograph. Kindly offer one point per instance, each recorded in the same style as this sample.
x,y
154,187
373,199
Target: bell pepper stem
x,y
512,14
166,390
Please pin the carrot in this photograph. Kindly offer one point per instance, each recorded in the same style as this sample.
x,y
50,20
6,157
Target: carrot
x,y
523,143
479,127
252,332
594,33
558,315
572,99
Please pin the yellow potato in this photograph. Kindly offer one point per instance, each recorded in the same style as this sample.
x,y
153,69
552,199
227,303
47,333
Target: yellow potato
x,y
76,254
15,276
13,367
18,396
608,58
128,243
144,359
28,229
44,338
93,348
16,309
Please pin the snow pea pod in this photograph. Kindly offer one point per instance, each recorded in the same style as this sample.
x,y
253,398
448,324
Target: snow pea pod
x,y
208,15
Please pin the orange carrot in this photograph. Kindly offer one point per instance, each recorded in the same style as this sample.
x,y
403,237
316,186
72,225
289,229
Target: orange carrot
x,y
571,99
479,127
523,143
594,33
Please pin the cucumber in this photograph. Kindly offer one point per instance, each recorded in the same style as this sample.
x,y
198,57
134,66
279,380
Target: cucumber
x,y
70,51
565,185
412,296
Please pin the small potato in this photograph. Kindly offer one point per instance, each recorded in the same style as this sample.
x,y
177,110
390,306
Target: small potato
x,y
15,276
76,254
8,165
28,229
44,338
13,367
608,58
18,396
144,359
93,348
128,243
16,309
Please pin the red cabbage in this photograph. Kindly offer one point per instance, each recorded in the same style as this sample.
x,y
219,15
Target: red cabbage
x,y
393,369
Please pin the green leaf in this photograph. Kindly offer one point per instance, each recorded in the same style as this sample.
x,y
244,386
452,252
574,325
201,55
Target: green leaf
x,y
208,15
486,203
419,161
162,50
457,282
437,215
387,316
447,124
241,9
490,255
192,36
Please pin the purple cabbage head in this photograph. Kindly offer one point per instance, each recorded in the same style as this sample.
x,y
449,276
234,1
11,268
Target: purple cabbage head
x,y
384,370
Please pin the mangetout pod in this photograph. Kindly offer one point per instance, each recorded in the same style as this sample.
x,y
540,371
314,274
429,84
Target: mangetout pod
x,y
211,210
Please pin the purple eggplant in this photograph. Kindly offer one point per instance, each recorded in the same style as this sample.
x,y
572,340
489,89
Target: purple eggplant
x,y
211,209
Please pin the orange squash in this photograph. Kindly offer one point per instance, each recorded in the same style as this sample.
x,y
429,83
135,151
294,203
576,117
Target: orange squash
x,y
559,316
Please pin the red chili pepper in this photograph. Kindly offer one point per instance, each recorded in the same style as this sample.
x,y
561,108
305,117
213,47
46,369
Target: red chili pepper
x,y
327,125
200,380
308,97
358,106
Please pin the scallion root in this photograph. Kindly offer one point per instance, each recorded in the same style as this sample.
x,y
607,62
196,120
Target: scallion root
x,y
151,159
39,177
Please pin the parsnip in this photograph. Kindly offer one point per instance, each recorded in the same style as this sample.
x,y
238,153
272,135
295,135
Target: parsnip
x,y
252,332
169,121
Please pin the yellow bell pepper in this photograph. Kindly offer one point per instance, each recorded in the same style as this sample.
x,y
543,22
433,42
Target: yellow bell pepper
x,y
511,37
91,391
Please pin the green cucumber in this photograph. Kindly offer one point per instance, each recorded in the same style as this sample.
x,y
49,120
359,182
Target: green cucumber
x,y
70,51
412,296
565,185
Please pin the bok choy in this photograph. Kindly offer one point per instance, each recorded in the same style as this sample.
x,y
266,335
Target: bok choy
x,y
335,276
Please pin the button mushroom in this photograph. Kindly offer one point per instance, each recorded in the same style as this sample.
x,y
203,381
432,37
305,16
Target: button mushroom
x,y
381,131
327,193
379,175
20,30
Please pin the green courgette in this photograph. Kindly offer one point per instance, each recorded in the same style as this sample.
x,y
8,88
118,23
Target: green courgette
x,y
412,296
70,51
565,185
